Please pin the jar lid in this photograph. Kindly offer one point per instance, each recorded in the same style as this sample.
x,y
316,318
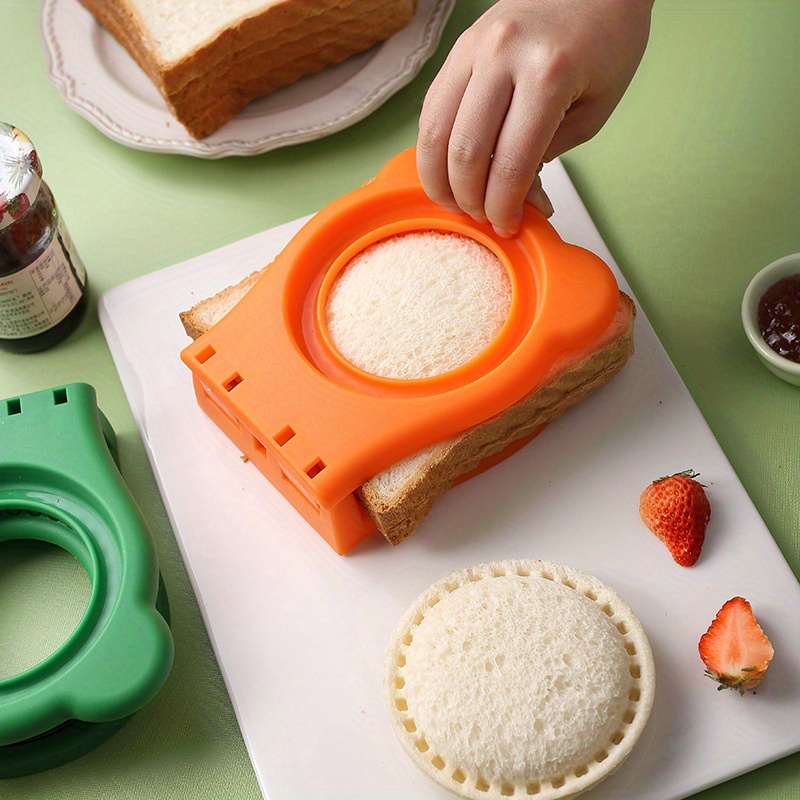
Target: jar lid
x,y
20,174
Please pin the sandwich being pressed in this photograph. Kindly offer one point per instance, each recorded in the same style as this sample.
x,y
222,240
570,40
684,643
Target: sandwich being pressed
x,y
209,59
425,302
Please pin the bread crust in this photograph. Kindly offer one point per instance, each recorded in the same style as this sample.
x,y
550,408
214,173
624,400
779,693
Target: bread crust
x,y
571,380
566,384
255,55
200,317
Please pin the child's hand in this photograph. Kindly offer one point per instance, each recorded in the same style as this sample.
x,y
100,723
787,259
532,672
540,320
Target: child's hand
x,y
528,81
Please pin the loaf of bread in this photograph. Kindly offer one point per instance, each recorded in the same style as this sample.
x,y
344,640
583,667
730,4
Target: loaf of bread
x,y
519,678
421,304
209,59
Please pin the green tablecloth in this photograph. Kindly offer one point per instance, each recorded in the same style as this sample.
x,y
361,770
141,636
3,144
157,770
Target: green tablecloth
x,y
694,185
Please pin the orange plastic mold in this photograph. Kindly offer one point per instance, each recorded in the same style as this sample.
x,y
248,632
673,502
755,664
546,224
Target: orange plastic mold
x,y
316,425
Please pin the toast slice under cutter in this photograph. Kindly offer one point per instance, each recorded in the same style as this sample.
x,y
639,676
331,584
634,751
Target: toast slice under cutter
x,y
316,425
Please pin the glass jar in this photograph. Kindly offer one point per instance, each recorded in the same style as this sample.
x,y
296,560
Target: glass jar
x,y
42,279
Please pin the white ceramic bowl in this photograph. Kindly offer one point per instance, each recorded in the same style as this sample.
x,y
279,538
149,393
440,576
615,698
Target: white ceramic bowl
x,y
782,367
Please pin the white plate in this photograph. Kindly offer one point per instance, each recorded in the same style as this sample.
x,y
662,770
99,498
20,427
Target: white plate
x,y
300,632
98,79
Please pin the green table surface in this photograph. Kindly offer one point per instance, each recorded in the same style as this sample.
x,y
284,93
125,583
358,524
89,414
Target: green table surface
x,y
694,184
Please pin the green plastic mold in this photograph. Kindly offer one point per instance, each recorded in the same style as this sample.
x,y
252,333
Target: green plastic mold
x,y
60,483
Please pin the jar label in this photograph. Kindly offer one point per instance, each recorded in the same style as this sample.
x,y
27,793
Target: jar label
x,y
39,296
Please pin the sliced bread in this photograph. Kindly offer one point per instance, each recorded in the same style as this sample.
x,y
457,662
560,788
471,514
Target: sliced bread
x,y
455,300
399,498
417,305
209,59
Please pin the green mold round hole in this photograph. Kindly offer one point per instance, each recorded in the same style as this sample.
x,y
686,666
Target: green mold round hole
x,y
44,594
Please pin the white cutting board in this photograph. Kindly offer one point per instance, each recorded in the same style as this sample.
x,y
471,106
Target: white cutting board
x,y
300,632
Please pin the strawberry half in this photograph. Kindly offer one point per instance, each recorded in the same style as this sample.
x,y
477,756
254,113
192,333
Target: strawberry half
x,y
677,510
735,649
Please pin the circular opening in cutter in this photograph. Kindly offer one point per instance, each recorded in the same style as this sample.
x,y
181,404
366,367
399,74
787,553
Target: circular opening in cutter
x,y
54,578
44,592
419,302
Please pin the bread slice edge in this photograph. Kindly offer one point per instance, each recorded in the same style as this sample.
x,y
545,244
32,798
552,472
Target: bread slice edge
x,y
570,381
399,498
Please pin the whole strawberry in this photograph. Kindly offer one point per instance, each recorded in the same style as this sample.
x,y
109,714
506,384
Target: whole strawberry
x,y
677,510
735,649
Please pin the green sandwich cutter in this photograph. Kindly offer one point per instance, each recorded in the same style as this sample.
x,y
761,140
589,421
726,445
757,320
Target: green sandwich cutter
x,y
60,483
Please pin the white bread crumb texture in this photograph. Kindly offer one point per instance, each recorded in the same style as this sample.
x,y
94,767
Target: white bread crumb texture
x,y
177,29
389,483
418,304
519,678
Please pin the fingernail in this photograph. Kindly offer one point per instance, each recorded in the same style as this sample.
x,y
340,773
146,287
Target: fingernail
x,y
504,233
542,202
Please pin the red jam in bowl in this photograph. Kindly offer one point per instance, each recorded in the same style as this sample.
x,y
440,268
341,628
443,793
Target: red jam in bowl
x,y
779,317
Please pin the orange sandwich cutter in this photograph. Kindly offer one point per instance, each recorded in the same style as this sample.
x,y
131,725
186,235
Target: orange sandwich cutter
x,y
316,425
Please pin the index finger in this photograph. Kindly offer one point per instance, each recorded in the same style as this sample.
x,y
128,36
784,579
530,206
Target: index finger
x,y
436,121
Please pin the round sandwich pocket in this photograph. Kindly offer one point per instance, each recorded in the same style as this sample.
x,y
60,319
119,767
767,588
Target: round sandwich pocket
x,y
519,678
